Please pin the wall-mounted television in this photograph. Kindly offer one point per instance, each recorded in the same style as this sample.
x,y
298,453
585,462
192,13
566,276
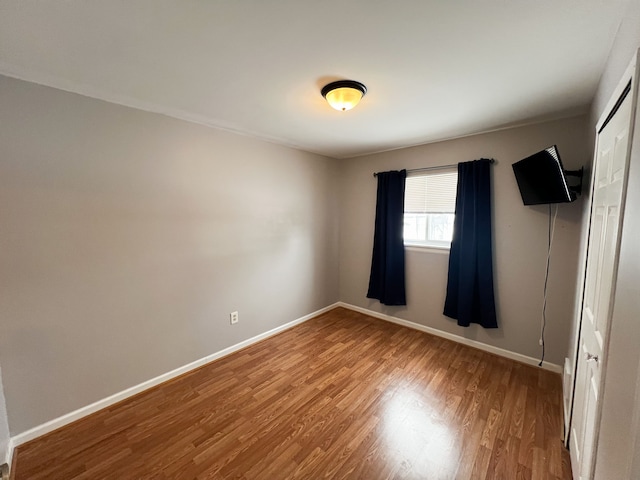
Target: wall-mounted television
x,y
541,179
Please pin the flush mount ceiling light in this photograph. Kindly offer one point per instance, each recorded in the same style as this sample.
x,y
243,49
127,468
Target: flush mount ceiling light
x,y
344,94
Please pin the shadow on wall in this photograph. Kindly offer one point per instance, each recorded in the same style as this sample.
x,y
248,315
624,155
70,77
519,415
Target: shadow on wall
x,y
470,333
390,310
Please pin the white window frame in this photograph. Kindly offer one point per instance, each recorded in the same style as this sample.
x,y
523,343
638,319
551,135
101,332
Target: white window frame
x,y
431,245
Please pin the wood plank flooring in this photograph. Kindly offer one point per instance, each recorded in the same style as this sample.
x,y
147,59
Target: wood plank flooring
x,y
342,396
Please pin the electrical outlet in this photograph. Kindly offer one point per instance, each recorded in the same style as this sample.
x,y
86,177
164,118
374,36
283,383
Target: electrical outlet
x,y
233,316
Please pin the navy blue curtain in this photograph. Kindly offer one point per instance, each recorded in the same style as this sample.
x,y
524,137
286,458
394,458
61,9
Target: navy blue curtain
x,y
470,296
386,282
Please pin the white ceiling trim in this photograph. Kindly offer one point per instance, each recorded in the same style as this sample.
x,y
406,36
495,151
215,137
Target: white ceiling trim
x,y
92,92
96,93
434,70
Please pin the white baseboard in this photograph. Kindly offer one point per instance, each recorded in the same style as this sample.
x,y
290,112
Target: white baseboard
x,y
456,338
9,456
56,423
567,391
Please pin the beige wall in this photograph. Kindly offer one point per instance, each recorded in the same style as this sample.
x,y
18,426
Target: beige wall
x,y
128,237
619,438
520,239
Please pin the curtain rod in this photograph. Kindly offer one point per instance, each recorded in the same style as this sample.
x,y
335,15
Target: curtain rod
x,y
440,167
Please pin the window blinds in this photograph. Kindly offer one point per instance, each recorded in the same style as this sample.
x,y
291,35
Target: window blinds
x,y
431,193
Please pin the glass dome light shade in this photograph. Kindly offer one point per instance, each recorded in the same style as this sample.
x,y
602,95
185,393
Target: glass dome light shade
x,y
344,95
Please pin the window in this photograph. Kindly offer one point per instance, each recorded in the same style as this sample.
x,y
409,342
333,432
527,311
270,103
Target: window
x,y
429,208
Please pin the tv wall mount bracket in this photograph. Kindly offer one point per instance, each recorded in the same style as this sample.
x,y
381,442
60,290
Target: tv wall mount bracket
x,y
576,180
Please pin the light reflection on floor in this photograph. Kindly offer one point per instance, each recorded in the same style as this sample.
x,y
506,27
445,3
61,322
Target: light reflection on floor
x,y
417,437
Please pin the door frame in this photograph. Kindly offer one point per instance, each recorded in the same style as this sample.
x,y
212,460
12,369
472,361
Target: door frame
x,y
628,80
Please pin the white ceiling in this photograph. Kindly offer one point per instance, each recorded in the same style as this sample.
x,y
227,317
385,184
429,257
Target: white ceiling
x,y
435,69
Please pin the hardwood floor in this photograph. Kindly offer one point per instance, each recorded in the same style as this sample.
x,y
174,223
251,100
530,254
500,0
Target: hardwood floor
x,y
343,395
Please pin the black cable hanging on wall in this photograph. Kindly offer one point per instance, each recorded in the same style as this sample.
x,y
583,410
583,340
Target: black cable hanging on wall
x,y
552,227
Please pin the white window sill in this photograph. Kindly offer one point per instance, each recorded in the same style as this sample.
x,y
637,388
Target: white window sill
x,y
426,249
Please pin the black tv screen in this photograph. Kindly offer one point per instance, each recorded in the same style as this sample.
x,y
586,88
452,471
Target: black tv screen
x,y
541,178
